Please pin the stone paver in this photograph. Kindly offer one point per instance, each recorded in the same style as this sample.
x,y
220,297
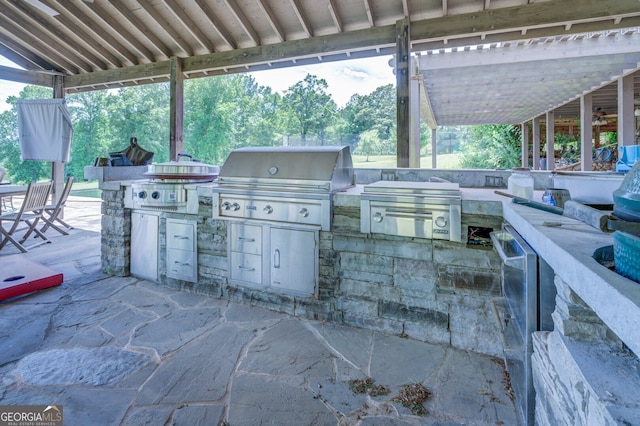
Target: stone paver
x,y
126,351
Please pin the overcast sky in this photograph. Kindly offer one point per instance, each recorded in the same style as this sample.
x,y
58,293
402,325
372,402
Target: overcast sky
x,y
344,78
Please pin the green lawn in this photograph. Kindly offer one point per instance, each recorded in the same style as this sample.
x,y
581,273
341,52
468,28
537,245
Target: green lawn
x,y
443,161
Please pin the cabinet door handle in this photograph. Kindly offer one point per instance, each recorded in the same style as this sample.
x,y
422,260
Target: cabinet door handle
x,y
247,239
246,268
276,259
180,237
181,263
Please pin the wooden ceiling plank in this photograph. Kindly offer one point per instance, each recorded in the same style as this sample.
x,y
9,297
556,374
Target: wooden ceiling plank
x,y
445,7
21,37
109,40
148,34
337,20
191,26
244,22
62,37
167,27
369,10
273,20
217,25
304,22
122,30
33,29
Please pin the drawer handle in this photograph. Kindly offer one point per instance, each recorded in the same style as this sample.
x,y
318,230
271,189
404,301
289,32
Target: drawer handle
x,y
180,237
181,263
247,239
246,268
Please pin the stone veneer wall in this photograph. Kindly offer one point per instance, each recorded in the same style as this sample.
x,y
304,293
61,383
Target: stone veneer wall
x,y
582,372
430,290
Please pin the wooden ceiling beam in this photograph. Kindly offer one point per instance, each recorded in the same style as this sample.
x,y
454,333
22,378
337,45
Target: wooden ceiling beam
x,y
21,37
297,8
26,77
335,15
194,29
273,20
166,27
92,28
217,25
21,56
122,30
32,28
369,10
137,23
244,22
405,8
62,37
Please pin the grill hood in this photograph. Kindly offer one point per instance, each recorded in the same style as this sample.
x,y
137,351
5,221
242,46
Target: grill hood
x,y
324,169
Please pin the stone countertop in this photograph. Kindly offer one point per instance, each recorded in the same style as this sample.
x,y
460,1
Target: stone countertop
x,y
569,250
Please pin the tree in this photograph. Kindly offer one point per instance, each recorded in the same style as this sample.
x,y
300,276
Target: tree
x,y
310,108
492,147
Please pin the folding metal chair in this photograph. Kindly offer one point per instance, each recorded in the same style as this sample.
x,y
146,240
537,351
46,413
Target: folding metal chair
x,y
30,213
52,211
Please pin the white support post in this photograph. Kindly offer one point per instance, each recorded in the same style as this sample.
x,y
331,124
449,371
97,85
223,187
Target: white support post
x,y
586,132
434,151
536,143
551,158
626,118
524,158
414,122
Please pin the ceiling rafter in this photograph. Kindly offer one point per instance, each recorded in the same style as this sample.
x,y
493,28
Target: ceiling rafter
x,y
107,56
167,28
122,30
273,21
445,7
246,25
297,8
110,41
405,8
21,37
25,23
22,56
146,32
369,10
83,52
182,15
337,20
217,25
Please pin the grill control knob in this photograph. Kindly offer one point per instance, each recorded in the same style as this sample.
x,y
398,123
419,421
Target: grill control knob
x,y
235,207
267,209
441,221
142,194
226,206
304,212
155,195
377,217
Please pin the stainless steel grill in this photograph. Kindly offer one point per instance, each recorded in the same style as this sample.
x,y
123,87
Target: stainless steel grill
x,y
412,209
283,184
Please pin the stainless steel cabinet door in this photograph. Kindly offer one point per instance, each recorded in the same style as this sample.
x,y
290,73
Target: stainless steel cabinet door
x,y
294,260
144,246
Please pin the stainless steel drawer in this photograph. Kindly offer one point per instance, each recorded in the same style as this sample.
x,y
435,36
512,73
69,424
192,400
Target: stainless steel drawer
x,y
246,267
181,235
246,238
181,264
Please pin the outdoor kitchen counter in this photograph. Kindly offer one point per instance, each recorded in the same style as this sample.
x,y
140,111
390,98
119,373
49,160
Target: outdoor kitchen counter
x,y
569,250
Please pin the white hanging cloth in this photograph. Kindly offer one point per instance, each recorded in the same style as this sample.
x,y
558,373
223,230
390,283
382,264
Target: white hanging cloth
x,y
44,130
